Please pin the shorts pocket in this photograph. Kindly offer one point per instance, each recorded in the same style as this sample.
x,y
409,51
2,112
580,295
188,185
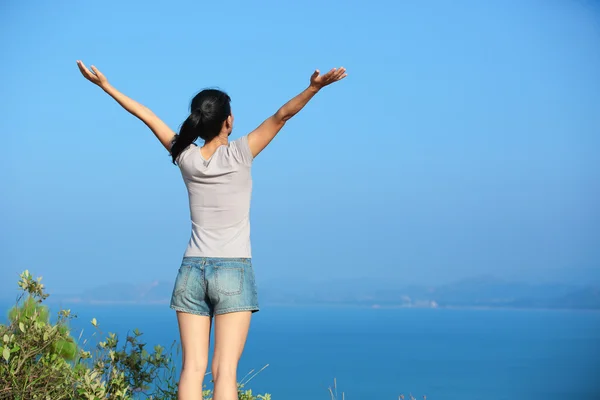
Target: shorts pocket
x,y
229,280
182,279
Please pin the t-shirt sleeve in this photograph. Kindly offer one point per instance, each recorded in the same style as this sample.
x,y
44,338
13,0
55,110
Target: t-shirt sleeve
x,y
240,150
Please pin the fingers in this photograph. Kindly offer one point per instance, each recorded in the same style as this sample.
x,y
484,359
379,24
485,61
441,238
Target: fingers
x,y
328,75
86,72
335,75
96,71
340,74
81,67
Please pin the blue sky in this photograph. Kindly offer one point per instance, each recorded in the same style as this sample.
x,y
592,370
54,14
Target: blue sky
x,y
464,141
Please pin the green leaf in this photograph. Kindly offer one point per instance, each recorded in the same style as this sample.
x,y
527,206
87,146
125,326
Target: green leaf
x,y
22,327
46,336
6,338
94,322
6,353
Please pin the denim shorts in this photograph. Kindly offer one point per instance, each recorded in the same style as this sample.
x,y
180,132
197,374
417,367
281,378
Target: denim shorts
x,y
212,286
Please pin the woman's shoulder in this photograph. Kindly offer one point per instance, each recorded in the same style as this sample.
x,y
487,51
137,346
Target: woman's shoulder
x,y
239,150
186,153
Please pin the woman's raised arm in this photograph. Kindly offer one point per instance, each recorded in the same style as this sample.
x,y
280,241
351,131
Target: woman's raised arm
x,y
259,138
156,125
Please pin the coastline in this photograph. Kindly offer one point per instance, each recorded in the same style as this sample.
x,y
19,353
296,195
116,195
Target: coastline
x,y
279,305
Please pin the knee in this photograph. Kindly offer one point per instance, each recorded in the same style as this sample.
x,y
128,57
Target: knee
x,y
224,371
196,367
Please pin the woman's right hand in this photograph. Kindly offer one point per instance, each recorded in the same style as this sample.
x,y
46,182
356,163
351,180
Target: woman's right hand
x,y
259,138
96,77
318,81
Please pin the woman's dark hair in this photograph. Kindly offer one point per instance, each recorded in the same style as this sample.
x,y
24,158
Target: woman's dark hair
x,y
208,110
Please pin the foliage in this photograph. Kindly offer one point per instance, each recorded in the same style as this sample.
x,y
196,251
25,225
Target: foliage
x,y
34,363
65,345
39,359
333,393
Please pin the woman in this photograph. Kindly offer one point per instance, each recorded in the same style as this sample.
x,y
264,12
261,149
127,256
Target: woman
x,y
216,278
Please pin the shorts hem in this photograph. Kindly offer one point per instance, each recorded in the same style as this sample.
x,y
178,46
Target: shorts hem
x,y
237,309
188,311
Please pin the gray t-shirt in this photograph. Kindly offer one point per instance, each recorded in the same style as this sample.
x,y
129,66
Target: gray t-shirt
x,y
219,191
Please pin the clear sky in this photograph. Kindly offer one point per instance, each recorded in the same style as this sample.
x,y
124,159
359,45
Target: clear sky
x,y
465,140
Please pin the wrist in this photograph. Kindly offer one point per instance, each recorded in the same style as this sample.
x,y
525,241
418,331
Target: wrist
x,y
313,89
106,87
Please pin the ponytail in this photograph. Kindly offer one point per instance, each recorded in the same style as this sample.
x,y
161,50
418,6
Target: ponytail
x,y
188,133
209,110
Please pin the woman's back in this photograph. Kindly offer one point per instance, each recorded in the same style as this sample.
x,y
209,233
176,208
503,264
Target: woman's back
x,y
219,190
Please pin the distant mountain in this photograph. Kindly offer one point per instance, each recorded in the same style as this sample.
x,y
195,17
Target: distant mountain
x,y
484,291
585,298
492,292
154,292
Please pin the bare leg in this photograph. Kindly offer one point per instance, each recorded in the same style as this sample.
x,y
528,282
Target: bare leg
x,y
231,331
195,338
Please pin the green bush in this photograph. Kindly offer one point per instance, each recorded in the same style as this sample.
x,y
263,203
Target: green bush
x,y
39,359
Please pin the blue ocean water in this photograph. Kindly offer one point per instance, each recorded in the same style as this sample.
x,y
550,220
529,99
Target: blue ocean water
x,y
380,353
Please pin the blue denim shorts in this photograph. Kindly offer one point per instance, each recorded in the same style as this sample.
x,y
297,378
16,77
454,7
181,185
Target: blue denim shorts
x,y
212,286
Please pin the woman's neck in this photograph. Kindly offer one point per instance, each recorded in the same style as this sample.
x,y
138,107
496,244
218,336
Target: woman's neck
x,y
208,149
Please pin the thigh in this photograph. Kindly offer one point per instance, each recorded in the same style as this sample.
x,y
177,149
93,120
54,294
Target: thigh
x,y
231,286
189,291
194,331
231,331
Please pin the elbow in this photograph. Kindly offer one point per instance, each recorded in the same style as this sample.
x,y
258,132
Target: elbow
x,y
282,116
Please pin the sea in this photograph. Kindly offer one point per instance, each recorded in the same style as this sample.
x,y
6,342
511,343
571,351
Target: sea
x,y
377,354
